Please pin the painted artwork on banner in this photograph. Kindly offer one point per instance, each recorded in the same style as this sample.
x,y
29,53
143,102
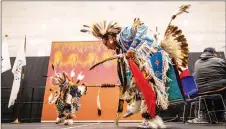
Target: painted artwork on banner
x,y
79,57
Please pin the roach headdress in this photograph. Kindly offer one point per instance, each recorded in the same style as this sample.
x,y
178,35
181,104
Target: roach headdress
x,y
102,29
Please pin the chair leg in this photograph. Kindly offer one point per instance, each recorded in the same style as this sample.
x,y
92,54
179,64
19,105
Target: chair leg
x,y
190,110
199,109
214,112
195,110
223,102
184,114
207,110
224,107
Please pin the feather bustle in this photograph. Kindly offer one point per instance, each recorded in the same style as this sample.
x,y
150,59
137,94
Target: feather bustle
x,y
176,45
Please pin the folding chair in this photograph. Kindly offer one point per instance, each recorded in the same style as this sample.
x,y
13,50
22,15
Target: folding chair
x,y
212,97
189,88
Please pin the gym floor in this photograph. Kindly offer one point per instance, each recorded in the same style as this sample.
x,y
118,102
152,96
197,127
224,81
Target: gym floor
x,y
171,125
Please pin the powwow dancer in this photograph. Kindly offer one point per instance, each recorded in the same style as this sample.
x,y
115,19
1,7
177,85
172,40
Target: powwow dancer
x,y
147,68
67,98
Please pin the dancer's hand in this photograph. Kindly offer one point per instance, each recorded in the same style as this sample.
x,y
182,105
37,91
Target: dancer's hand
x,y
130,54
149,77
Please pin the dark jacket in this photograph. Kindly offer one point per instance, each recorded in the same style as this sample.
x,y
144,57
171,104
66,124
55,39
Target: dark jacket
x,y
210,73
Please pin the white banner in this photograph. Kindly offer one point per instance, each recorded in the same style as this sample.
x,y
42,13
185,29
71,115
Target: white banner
x,y
17,71
6,65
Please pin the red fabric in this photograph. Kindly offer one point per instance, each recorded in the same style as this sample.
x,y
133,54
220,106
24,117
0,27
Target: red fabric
x,y
184,73
145,88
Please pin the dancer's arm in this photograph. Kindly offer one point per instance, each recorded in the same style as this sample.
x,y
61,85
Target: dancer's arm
x,y
140,31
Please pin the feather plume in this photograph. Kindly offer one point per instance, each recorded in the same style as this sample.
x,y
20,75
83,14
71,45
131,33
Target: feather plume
x,y
50,97
183,8
176,45
98,103
99,112
53,67
72,73
86,26
77,81
80,76
84,30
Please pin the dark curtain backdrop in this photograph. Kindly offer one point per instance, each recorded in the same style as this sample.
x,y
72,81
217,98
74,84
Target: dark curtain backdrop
x,y
32,92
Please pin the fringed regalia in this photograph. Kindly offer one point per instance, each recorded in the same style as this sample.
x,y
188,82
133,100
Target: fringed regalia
x,y
67,98
149,79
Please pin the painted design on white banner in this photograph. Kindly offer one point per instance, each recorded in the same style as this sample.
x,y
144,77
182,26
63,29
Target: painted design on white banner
x,y
17,72
17,75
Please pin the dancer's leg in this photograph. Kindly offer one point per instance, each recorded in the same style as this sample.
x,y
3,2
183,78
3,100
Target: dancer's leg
x,y
147,119
60,115
68,120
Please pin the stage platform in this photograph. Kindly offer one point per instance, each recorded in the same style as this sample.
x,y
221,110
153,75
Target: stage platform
x,y
171,125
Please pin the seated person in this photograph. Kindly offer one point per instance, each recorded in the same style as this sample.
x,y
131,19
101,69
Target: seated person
x,y
210,76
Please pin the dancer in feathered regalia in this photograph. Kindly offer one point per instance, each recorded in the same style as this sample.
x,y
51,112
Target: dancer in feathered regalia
x,y
147,67
67,97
